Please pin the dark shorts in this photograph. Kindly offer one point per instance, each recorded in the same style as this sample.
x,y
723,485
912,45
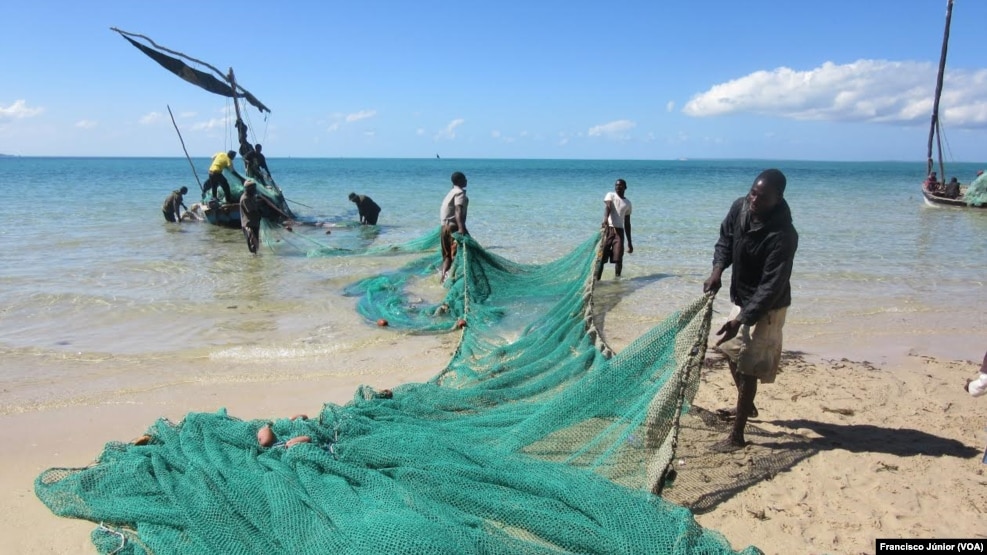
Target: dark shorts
x,y
169,216
613,244
447,242
215,181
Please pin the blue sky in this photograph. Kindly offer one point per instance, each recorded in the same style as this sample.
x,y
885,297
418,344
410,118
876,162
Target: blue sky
x,y
834,80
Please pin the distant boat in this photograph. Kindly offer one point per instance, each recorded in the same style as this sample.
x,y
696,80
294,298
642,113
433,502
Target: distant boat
x,y
436,155
224,213
934,190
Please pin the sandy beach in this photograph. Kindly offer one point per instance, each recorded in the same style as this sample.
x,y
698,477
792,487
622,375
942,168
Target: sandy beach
x,y
844,451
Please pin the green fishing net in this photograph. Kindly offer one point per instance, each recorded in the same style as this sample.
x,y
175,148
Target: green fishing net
x,y
272,193
976,193
535,438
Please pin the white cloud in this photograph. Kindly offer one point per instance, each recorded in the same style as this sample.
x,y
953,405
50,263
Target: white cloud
x,y
362,114
670,106
223,122
419,131
449,132
495,134
877,91
614,130
151,118
18,110
85,124
339,119
215,123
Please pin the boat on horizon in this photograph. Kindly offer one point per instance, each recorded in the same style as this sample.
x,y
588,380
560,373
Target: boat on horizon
x,y
935,189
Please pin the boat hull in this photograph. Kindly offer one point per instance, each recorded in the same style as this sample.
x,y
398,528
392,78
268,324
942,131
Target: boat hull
x,y
934,200
223,215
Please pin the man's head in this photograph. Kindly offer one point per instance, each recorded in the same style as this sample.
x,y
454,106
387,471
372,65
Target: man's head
x,y
257,147
620,186
458,179
231,154
183,190
353,197
250,187
767,191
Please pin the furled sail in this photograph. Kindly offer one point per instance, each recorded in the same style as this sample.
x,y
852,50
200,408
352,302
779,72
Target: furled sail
x,y
197,77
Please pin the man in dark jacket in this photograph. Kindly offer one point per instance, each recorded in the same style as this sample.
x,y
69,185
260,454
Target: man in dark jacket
x,y
367,208
250,214
257,164
173,204
758,239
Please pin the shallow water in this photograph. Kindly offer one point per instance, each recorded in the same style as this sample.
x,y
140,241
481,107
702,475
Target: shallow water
x,y
89,270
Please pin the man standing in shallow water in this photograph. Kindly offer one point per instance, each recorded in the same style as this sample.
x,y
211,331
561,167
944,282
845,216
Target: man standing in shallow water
x,y
452,216
616,227
758,239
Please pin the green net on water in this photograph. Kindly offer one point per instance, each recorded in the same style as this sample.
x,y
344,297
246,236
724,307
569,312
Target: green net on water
x,y
976,193
349,239
534,438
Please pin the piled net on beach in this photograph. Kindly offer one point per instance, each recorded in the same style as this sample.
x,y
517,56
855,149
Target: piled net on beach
x,y
534,438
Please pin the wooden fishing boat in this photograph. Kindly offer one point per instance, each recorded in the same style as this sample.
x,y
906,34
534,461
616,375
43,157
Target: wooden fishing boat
x,y
217,211
933,191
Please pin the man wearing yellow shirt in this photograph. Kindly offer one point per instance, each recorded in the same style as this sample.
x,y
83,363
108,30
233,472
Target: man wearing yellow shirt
x,y
220,162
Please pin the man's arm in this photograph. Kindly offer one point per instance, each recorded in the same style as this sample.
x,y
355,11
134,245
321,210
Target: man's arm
x,y
273,207
460,222
627,230
723,250
607,207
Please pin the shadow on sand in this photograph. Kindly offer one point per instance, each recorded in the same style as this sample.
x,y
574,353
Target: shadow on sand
x,y
706,479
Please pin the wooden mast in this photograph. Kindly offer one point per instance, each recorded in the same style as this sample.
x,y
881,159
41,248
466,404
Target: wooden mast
x,y
934,128
187,157
241,135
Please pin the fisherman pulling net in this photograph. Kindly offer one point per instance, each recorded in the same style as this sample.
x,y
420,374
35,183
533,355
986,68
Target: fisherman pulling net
x,y
533,439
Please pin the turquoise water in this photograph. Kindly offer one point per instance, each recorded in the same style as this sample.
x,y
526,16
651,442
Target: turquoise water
x,y
88,267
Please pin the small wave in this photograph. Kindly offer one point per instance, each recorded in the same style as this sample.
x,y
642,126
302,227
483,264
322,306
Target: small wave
x,y
261,354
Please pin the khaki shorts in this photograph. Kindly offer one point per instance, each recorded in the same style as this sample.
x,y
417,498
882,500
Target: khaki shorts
x,y
756,350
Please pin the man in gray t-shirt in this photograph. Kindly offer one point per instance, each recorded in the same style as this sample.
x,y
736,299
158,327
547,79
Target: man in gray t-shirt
x,y
452,216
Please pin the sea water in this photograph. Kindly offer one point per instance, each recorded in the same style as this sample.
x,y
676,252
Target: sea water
x,y
90,271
